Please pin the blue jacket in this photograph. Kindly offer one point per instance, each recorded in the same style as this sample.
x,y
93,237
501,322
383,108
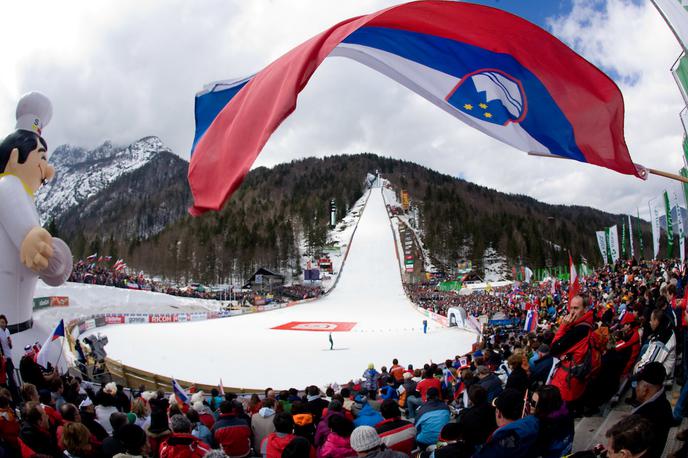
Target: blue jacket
x,y
368,416
430,419
371,377
515,440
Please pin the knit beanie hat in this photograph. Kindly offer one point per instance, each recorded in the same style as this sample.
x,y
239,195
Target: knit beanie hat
x,y
365,438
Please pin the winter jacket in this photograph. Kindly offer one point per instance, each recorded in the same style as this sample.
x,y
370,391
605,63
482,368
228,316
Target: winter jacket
x,y
629,348
273,444
424,385
478,422
492,385
371,377
661,348
368,416
397,434
555,438
571,345
233,435
336,447
323,430
202,432
540,371
155,441
518,380
262,425
181,445
658,411
316,406
38,440
389,392
9,428
304,426
386,453
518,439
397,372
430,419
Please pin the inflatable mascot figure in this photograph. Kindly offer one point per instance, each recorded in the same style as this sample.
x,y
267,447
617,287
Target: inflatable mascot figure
x,y
27,251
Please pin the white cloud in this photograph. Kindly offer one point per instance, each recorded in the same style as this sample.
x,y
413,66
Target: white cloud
x,y
122,70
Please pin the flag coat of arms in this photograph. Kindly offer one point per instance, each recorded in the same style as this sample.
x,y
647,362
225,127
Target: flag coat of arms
x,y
488,68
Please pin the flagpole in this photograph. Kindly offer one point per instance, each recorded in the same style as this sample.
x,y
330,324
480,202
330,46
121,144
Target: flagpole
x,y
662,173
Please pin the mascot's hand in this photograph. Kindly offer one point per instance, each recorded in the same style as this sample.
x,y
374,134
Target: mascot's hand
x,y
36,249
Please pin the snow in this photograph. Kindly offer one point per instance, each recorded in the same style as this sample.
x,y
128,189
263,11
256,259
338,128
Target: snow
x,y
80,174
340,235
246,353
87,300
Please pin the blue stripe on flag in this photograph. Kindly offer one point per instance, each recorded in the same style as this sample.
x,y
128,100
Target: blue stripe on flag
x,y
208,105
546,123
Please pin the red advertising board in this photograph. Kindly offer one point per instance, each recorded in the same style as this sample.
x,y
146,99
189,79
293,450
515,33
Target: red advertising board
x,y
114,319
162,318
317,326
59,301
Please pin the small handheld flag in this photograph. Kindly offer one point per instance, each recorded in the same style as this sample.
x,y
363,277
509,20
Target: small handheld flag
x,y
179,393
52,349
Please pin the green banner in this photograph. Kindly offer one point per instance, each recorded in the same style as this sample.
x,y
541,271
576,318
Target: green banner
x,y
41,302
681,75
670,226
684,173
640,236
609,247
685,148
623,240
450,286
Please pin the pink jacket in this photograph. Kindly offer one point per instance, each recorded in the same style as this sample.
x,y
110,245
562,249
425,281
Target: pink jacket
x,y
336,447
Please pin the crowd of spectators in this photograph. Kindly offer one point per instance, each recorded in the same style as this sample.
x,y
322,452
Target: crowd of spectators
x,y
514,394
104,274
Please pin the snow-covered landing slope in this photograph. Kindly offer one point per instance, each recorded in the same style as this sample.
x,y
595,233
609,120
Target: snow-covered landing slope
x,y
245,352
86,300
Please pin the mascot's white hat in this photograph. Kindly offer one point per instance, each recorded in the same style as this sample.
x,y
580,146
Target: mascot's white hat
x,y
34,112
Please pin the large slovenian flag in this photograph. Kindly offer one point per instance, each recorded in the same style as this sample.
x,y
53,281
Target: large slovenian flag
x,y
492,70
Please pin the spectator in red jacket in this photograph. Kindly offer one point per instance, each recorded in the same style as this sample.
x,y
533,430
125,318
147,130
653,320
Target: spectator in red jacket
x,y
274,443
397,434
571,345
429,381
231,433
182,444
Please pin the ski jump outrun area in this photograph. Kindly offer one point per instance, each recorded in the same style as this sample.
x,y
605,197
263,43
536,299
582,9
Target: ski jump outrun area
x,y
373,319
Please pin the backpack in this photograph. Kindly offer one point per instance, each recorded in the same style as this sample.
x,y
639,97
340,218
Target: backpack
x,y
591,361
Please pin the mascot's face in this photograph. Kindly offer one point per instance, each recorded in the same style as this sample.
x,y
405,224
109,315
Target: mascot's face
x,y
35,170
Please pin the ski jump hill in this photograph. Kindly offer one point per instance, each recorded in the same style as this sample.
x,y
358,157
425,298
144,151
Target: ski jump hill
x,y
368,313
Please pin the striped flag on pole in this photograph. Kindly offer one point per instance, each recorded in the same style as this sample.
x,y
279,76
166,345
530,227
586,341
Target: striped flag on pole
x,y
179,393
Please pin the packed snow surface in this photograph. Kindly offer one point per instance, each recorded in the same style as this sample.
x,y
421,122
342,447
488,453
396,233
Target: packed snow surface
x,y
245,352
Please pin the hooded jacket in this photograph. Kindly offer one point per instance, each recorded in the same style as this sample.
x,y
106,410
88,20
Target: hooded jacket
x,y
336,446
181,445
274,444
262,425
516,440
367,416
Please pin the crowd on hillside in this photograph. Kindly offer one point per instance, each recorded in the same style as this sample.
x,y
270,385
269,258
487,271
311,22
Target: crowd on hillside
x,y
515,394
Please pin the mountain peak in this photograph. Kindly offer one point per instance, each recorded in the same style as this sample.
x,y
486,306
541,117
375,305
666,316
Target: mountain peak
x,y
81,173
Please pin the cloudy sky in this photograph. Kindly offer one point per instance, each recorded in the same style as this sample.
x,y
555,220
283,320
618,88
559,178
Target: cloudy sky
x,y
121,70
